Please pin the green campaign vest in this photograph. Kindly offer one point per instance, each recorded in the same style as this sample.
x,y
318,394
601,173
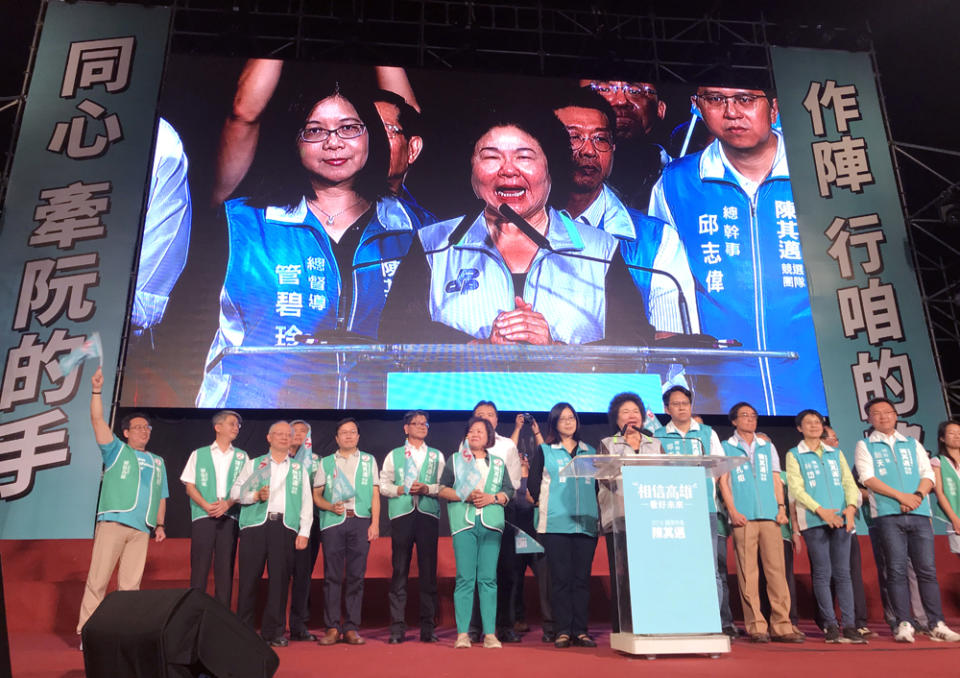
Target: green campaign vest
x,y
255,514
822,480
951,488
429,472
897,467
674,442
362,481
462,515
120,491
786,530
205,480
752,484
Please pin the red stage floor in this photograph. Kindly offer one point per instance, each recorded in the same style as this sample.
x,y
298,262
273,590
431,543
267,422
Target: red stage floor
x,y
46,655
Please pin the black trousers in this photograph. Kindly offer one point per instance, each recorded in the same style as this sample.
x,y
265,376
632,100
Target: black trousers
x,y
422,530
270,544
537,562
570,557
303,562
614,590
345,549
213,539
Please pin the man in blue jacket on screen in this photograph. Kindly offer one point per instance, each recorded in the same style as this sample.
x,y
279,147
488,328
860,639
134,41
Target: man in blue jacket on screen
x,y
733,207
644,241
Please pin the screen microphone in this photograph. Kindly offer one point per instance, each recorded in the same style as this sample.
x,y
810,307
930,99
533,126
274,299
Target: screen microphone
x,y
536,236
541,241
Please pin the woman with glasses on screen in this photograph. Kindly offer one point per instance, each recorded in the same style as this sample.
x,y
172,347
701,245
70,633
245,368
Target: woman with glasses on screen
x,y
567,519
493,283
312,252
476,486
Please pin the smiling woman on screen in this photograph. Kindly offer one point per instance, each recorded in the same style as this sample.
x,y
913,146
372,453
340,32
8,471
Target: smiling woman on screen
x,y
493,284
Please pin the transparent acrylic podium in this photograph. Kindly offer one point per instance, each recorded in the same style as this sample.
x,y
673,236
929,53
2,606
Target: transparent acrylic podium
x,y
663,552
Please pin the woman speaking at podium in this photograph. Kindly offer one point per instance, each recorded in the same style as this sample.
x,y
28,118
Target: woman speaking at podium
x,y
626,415
481,278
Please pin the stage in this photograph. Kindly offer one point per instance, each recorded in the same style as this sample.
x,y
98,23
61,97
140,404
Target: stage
x,y
43,582
49,655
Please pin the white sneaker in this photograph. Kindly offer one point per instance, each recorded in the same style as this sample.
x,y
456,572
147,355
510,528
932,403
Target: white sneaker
x,y
904,633
942,632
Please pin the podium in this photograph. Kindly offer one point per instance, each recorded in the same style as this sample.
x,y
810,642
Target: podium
x,y
369,376
663,555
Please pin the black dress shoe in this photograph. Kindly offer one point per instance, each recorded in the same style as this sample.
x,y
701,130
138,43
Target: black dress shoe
x,y
302,636
395,639
548,637
278,642
429,638
562,641
508,636
583,640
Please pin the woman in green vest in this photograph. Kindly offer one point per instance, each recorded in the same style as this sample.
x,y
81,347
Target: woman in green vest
x,y
476,523
568,522
947,472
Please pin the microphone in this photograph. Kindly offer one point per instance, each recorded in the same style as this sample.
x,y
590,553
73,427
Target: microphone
x,y
541,241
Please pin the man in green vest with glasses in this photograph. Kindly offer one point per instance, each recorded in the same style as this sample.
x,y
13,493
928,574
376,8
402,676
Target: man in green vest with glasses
x,y
275,519
133,501
410,481
754,498
208,477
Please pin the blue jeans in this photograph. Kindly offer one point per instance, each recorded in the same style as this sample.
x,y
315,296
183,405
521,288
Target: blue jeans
x,y
910,536
829,551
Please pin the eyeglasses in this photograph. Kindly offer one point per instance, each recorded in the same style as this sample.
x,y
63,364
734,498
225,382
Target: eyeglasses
x,y
601,142
393,130
140,427
629,91
419,423
315,134
748,417
745,102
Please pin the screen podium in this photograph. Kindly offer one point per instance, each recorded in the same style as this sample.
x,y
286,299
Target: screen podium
x,y
663,554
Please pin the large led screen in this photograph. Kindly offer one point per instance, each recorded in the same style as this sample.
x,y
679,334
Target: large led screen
x,y
331,236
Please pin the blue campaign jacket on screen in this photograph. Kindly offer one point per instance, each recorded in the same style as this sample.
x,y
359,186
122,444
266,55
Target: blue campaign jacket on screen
x,y
649,242
471,284
282,280
740,252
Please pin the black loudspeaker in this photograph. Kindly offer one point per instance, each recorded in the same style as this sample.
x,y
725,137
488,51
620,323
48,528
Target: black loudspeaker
x,y
171,633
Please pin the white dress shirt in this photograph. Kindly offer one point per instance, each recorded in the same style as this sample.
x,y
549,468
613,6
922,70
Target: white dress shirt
x,y
221,467
277,503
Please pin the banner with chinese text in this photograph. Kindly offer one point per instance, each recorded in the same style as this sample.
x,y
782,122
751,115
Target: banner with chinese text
x,y
69,233
666,514
871,331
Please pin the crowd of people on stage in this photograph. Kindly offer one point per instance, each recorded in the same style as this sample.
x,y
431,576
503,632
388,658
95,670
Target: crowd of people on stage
x,y
281,508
